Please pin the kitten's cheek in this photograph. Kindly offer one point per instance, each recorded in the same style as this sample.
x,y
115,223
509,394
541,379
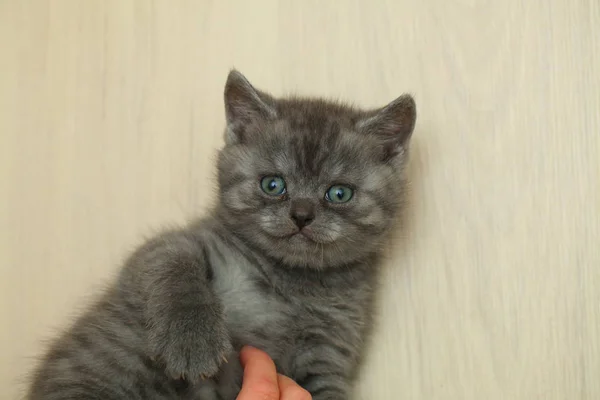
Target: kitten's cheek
x,y
267,222
239,199
374,218
328,233
335,232
272,225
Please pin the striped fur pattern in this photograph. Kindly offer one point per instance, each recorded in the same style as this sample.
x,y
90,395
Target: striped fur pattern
x,y
172,324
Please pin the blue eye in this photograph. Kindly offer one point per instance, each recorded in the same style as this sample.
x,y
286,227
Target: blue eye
x,y
273,185
339,194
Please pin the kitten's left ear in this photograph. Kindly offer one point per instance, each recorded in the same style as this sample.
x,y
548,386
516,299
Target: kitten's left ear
x,y
243,106
393,124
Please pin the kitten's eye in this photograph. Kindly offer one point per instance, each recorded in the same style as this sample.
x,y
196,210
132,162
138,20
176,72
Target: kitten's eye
x,y
273,185
339,194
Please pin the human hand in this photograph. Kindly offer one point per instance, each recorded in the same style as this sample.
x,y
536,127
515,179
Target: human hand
x,y
262,382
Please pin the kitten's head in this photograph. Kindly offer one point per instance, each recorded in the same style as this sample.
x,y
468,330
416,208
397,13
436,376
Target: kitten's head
x,y
311,183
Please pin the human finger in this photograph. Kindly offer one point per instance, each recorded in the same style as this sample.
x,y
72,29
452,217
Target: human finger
x,y
290,390
260,376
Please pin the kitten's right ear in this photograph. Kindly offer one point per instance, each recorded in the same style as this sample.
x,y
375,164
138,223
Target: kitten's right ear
x,y
244,105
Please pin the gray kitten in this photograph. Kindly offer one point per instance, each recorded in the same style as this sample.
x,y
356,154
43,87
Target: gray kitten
x,y
286,262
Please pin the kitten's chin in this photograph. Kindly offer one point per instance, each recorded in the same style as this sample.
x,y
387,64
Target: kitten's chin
x,y
301,251
307,248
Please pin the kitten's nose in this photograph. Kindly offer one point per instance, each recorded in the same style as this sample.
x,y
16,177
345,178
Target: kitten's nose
x,y
302,212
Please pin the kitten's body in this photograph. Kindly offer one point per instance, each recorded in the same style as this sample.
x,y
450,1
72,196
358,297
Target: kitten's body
x,y
247,275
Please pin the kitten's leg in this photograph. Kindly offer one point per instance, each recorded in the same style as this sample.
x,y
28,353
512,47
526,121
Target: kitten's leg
x,y
230,378
225,386
186,330
327,387
325,371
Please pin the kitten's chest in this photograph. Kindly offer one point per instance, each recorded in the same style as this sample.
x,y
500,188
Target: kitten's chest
x,y
248,305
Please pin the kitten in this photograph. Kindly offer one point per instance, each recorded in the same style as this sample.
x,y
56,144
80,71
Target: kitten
x,y
286,262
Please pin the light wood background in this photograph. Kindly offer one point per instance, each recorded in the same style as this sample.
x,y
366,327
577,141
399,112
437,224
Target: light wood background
x,y
111,111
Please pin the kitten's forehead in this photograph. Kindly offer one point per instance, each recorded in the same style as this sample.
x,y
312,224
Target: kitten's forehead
x,y
319,148
314,113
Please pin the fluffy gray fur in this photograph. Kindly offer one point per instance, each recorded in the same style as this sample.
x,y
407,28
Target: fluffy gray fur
x,y
247,274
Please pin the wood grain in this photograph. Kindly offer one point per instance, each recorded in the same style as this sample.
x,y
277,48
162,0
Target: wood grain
x,y
111,112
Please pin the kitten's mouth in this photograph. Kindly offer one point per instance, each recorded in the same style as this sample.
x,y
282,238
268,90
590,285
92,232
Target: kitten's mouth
x,y
305,235
302,234
308,234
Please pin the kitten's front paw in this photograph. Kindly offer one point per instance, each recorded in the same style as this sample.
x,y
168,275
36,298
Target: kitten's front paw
x,y
192,351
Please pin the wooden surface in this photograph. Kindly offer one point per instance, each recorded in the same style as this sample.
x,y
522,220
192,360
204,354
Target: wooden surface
x,y
111,111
